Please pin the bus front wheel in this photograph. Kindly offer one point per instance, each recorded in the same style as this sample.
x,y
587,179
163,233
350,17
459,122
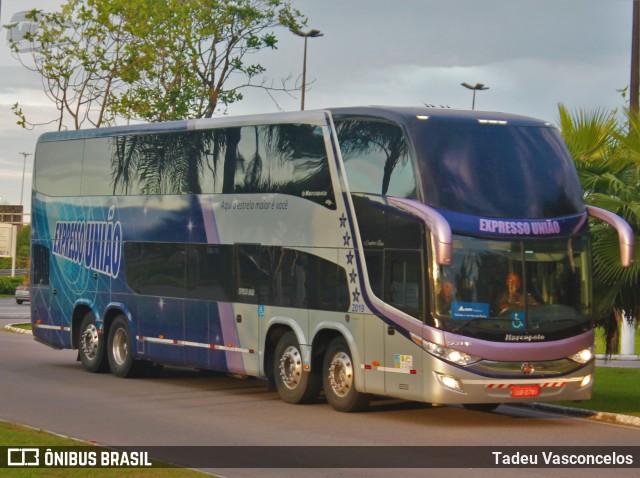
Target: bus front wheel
x,y
339,379
91,346
120,349
294,384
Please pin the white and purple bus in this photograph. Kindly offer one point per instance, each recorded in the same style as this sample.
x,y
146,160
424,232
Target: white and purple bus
x,y
423,254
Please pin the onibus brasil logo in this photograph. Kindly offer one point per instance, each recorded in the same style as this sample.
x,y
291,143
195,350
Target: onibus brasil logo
x,y
96,244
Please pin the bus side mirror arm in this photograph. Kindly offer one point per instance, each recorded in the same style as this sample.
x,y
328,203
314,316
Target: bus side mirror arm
x,y
440,229
625,233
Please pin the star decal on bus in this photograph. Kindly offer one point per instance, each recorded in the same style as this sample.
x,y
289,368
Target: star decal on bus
x,y
350,257
346,238
343,220
352,277
356,295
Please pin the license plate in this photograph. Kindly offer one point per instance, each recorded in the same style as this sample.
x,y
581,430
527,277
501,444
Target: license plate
x,y
525,391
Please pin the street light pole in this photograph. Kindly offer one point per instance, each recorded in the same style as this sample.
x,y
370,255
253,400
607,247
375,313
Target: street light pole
x,y
310,34
24,168
474,88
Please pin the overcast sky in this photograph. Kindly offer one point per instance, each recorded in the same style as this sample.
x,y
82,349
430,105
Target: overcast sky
x,y
532,54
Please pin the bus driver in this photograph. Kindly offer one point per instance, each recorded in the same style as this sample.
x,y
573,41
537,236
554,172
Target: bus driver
x,y
513,297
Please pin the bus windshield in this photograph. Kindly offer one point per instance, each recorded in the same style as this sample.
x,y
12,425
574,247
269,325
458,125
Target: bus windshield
x,y
497,170
497,287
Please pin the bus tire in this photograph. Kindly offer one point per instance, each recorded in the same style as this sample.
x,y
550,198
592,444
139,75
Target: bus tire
x,y
293,383
339,379
120,349
91,346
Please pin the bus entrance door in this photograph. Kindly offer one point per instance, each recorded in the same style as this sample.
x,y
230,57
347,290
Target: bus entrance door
x,y
403,291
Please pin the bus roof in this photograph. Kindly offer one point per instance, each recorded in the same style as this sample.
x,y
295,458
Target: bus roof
x,y
400,115
404,114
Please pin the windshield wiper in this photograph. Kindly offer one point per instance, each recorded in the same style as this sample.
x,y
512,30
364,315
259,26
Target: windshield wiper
x,y
473,322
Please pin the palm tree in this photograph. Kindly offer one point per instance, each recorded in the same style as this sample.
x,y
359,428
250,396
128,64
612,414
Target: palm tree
x,y
172,163
606,151
367,137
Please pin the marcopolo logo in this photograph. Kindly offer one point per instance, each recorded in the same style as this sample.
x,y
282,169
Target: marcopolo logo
x,y
96,244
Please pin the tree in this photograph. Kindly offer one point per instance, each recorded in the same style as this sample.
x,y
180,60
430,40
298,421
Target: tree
x,y
606,151
78,60
194,56
101,60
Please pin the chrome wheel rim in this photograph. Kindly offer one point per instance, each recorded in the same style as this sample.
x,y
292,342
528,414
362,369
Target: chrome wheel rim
x,y
290,367
120,348
90,342
341,374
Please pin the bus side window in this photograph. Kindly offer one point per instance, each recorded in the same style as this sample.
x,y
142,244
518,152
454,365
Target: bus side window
x,y
285,159
252,275
101,169
156,268
326,285
403,281
376,158
57,171
209,272
375,261
40,265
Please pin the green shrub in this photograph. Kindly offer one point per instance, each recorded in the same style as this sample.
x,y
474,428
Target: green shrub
x,y
8,284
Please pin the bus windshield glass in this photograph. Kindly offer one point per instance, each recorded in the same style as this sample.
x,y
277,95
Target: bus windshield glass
x,y
496,170
497,287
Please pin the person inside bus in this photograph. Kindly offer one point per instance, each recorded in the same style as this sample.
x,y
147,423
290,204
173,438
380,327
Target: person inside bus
x,y
445,297
513,297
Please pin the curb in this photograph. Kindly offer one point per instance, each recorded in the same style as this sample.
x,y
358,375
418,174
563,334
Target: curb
x,y
608,358
17,330
614,418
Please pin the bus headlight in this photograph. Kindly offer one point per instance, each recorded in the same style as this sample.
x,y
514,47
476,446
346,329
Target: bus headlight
x,y
450,355
450,381
585,381
584,356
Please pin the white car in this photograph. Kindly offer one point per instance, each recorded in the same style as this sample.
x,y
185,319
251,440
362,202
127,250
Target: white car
x,y
22,294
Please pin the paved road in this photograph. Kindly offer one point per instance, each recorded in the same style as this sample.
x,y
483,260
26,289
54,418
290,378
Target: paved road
x,y
48,389
10,311
633,362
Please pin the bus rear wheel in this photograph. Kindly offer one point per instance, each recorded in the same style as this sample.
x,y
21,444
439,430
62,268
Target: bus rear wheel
x,y
339,379
91,346
294,384
120,349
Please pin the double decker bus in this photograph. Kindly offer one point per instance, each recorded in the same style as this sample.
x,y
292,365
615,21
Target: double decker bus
x,y
424,254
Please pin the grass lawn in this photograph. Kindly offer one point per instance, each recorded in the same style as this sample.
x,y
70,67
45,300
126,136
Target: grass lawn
x,y
615,390
600,347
